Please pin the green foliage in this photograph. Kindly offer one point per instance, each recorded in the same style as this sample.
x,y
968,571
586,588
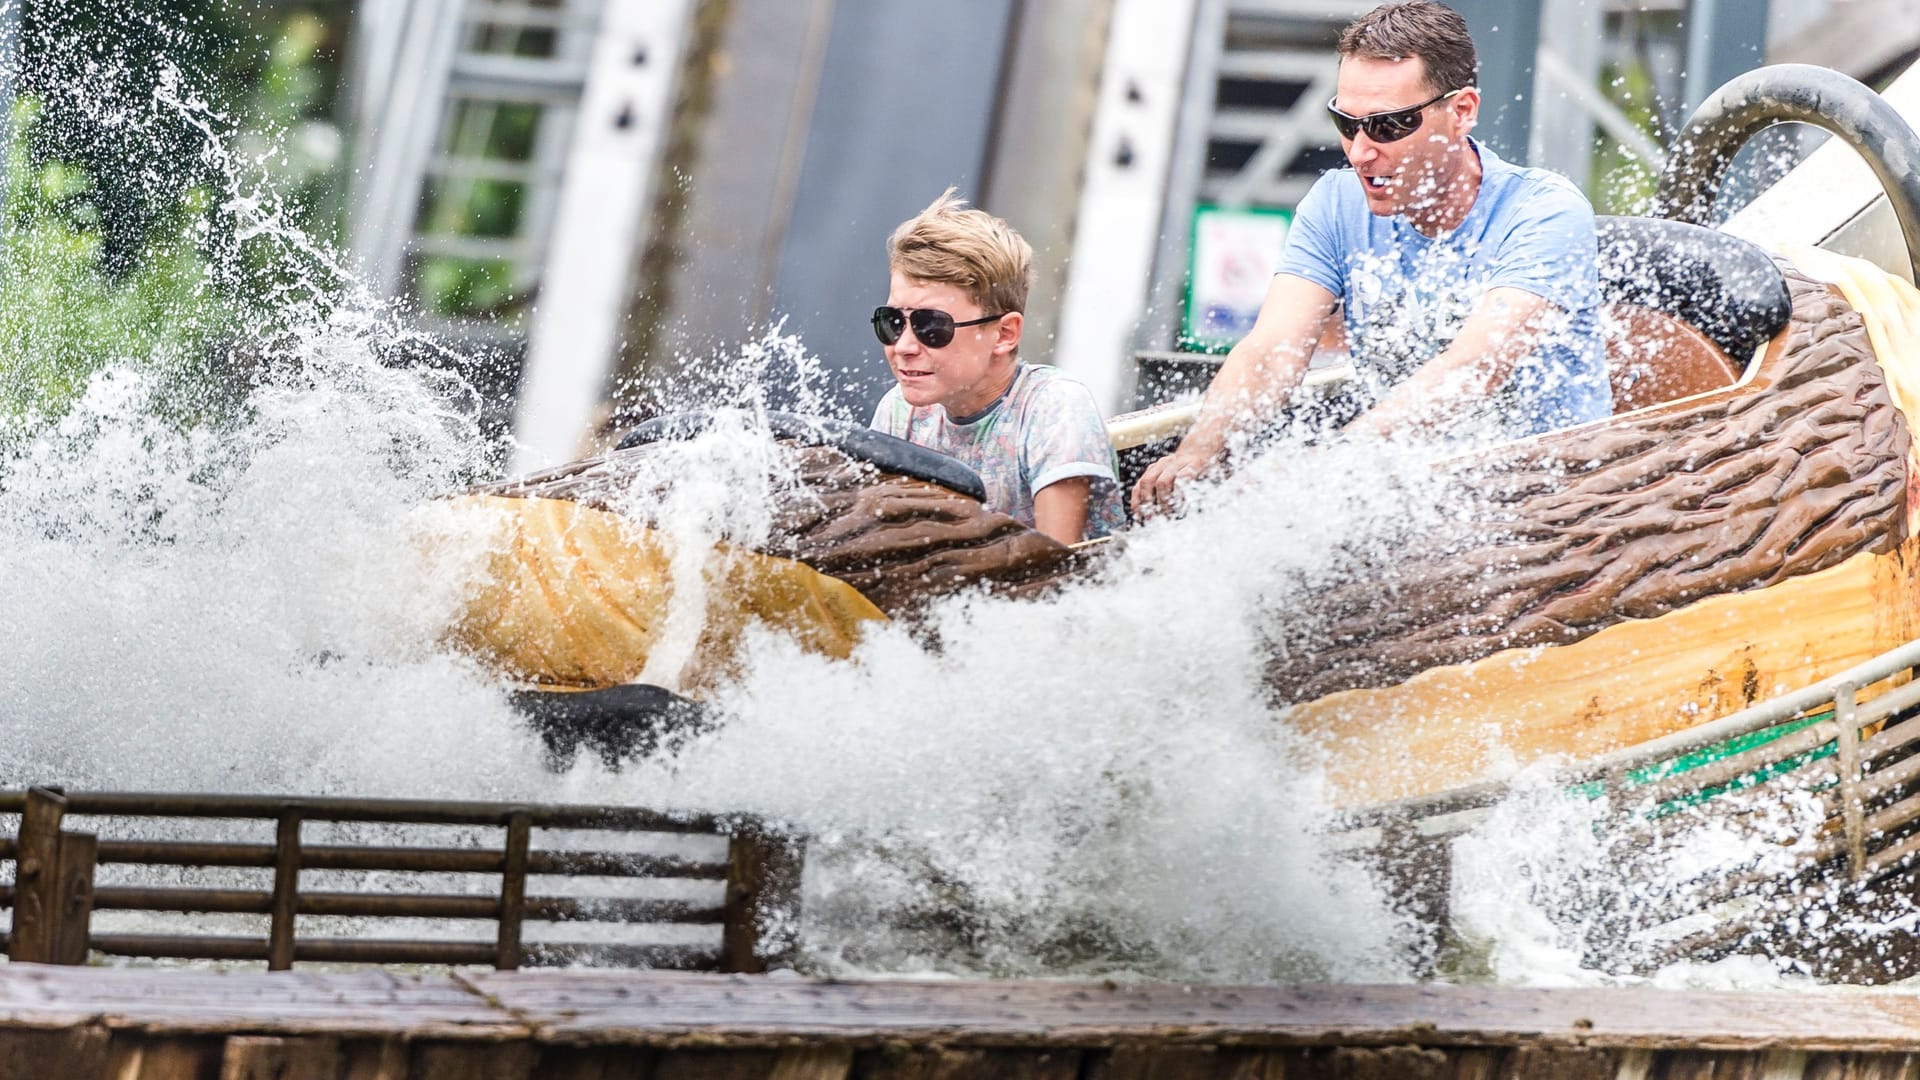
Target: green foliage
x,y
478,207
96,67
290,105
120,244
63,317
1621,182
469,287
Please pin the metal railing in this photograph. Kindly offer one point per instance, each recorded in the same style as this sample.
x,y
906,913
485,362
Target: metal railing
x,y
54,893
1844,748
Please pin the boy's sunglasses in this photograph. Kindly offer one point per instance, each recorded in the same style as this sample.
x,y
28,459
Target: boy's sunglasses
x,y
931,327
1385,127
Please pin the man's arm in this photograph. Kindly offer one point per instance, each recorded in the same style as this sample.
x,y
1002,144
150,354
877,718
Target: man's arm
x,y
1060,509
1543,268
1504,327
1256,380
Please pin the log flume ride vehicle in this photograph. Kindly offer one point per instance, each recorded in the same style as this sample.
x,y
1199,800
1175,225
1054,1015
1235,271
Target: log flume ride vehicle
x,y
1740,535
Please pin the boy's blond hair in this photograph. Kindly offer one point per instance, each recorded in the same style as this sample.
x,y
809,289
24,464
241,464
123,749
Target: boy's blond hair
x,y
949,244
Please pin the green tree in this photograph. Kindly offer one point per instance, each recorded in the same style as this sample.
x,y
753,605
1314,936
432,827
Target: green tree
x,y
63,316
136,186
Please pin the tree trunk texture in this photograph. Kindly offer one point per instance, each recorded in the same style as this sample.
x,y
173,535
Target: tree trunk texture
x,y
901,542
1563,536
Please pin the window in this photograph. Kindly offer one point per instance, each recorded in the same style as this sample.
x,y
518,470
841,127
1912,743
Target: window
x,y
487,193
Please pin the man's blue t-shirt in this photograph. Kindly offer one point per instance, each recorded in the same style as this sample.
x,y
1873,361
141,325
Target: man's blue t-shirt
x,y
1406,294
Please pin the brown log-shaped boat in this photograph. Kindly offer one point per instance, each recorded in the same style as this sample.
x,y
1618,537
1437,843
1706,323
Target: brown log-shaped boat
x,y
1624,580
1742,527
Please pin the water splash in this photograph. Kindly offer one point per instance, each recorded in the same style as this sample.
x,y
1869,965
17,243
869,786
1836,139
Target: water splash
x,y
233,598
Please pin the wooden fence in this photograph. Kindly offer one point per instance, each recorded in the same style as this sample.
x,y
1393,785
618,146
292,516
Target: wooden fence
x,y
751,873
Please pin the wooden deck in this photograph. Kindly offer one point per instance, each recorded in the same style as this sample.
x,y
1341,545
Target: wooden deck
x,y
164,1024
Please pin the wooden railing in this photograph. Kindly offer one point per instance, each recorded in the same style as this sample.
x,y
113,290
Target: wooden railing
x,y
751,877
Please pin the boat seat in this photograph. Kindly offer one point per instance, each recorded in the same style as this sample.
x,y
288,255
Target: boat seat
x,y
877,448
1684,308
1653,357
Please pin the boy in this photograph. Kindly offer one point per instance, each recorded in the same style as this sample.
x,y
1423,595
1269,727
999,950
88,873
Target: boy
x,y
951,330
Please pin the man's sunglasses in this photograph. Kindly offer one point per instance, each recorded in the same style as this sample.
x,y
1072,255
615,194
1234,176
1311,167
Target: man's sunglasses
x,y
931,327
1385,127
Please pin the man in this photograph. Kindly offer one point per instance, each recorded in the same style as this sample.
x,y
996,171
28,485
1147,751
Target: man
x,y
1467,285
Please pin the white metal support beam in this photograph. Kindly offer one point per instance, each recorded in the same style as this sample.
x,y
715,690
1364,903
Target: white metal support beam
x,y
403,55
1584,105
1859,37
1122,201
1566,80
600,225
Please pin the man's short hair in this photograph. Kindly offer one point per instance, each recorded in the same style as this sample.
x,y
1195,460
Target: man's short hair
x,y
1433,32
951,245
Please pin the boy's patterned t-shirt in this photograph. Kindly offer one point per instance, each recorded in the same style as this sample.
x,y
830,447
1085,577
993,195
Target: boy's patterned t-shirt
x,y
1045,429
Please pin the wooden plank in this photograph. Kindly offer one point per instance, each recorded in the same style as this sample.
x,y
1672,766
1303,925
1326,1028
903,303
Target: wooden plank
x,y
253,1057
1358,1063
594,1063
714,1064
1561,1063
1483,1065
473,1061
901,1062
373,1059
830,1062
36,907
1255,1065
394,811
662,1007
286,890
136,1056
366,1002
1707,1065
1862,1067
1784,1065
1183,1063
763,879
1385,1063
513,892
1534,1030
73,895
76,1053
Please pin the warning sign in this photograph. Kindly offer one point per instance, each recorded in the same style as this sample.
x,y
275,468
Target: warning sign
x,y
1232,260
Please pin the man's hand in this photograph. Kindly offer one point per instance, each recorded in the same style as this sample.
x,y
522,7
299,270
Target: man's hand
x,y
1505,326
1156,492
1256,380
